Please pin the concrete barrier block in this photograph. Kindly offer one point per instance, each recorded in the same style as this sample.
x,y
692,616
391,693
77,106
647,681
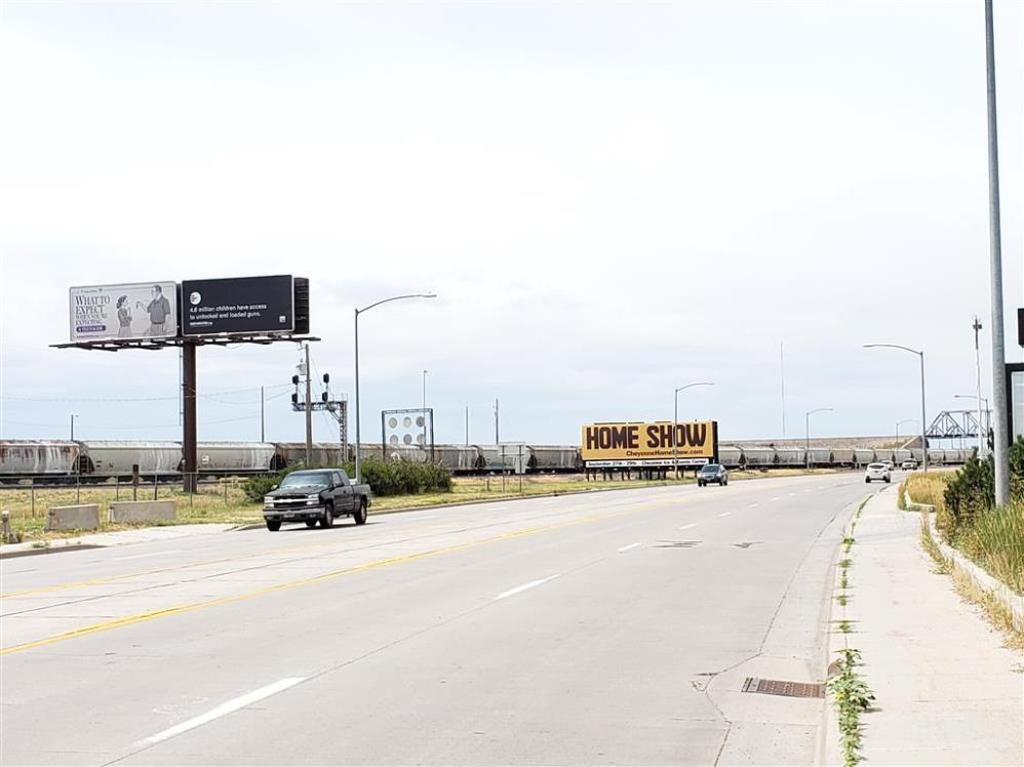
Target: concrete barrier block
x,y
83,517
142,512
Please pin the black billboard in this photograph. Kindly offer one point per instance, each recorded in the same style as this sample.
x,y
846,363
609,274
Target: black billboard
x,y
238,305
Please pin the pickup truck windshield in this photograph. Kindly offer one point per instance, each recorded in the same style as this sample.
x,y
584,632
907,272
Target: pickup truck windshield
x,y
307,479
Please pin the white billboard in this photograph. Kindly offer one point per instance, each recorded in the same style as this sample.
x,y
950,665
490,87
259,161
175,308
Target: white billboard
x,y
138,310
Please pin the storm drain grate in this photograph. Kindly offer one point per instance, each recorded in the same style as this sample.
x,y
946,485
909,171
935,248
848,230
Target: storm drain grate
x,y
782,687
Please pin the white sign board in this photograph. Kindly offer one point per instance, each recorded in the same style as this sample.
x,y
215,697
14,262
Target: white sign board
x,y
123,312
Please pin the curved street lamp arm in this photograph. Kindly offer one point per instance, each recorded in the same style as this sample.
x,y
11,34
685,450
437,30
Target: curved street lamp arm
x,y
691,385
894,346
395,298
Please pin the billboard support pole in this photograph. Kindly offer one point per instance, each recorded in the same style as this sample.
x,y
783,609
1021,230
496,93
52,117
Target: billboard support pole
x,y
189,449
309,414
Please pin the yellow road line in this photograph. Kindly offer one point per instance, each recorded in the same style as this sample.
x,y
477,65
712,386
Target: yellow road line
x,y
201,563
130,620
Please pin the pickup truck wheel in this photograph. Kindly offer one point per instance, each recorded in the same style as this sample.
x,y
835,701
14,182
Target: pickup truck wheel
x,y
273,525
310,523
360,515
327,520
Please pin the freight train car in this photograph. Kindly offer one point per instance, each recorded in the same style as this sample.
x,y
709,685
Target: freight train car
x,y
554,458
27,458
730,456
121,458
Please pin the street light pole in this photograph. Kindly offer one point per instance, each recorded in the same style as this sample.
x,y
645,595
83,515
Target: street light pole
x,y
924,424
898,423
999,398
424,409
675,421
359,458
976,326
807,433
73,417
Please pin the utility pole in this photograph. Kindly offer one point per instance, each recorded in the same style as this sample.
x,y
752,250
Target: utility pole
x,y
1002,440
309,413
977,361
497,440
782,374
467,425
263,425
73,417
424,409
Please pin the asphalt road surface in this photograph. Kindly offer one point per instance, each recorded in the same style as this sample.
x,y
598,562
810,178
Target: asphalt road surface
x,y
610,628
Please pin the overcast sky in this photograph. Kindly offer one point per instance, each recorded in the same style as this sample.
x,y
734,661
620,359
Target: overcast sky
x,y
611,200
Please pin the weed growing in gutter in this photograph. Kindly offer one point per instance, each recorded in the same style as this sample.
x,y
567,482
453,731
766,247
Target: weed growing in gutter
x,y
849,690
853,697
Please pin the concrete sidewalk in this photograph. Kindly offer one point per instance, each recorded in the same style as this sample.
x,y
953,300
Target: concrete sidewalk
x,y
947,691
114,538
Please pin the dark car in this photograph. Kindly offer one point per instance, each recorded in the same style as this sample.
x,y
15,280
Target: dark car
x,y
712,472
315,496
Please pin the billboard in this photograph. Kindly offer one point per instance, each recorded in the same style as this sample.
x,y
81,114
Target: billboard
x,y
137,310
412,427
238,305
649,444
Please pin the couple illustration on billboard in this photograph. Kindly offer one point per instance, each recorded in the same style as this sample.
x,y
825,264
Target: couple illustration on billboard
x,y
158,309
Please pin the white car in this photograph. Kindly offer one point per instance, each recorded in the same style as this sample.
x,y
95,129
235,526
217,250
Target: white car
x,y
910,465
877,471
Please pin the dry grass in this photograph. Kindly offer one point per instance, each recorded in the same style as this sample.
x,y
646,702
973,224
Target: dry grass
x,y
994,610
995,540
225,502
926,488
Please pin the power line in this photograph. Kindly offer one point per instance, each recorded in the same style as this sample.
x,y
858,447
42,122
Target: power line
x,y
211,396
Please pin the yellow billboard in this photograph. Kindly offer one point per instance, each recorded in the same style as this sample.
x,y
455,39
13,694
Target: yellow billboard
x,y
643,443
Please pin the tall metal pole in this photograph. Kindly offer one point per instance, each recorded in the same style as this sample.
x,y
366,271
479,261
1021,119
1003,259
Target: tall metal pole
x,y
924,426
497,440
359,460
807,432
263,423
189,447
73,416
675,428
977,361
675,420
424,409
309,412
467,425
782,373
1002,439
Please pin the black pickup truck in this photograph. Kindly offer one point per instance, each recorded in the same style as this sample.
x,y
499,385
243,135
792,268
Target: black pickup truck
x,y
315,496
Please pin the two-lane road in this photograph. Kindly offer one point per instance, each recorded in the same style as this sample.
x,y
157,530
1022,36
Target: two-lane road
x,y
602,628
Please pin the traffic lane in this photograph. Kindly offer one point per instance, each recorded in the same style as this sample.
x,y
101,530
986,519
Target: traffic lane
x,y
590,666
161,582
191,673
72,568
56,570
35,617
364,613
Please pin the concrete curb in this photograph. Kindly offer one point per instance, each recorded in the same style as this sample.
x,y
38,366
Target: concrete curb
x,y
830,751
1007,597
1010,600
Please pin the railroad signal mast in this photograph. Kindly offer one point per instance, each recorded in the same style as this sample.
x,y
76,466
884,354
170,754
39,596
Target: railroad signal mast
x,y
338,408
